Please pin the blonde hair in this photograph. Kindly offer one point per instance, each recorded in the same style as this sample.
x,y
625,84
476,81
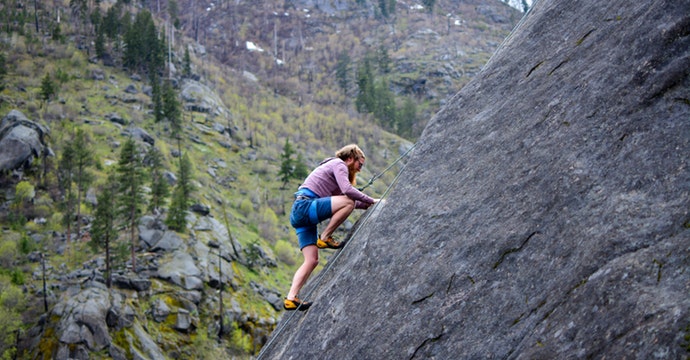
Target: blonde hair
x,y
351,151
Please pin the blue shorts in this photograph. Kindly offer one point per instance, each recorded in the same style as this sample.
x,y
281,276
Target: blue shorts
x,y
306,214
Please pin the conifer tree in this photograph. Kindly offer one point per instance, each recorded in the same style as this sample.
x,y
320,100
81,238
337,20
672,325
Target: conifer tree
x,y
342,71
406,118
104,230
384,106
429,5
365,83
65,179
173,9
287,167
83,160
130,179
3,70
159,186
171,109
100,42
383,59
187,64
176,219
157,99
48,88
144,51
301,171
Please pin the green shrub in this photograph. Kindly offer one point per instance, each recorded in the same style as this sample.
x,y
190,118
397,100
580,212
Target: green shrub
x,y
8,252
17,277
26,244
285,252
246,207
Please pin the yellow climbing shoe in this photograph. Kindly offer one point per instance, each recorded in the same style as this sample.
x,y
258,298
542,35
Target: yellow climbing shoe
x,y
296,304
328,243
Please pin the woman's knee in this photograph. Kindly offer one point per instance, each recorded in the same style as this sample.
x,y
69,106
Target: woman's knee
x,y
311,257
344,202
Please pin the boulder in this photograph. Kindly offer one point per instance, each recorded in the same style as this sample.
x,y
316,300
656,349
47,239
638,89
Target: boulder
x,y
21,141
82,327
160,310
543,213
141,135
180,269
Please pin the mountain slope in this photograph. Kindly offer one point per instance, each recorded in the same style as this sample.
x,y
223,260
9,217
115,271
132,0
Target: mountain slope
x,y
433,52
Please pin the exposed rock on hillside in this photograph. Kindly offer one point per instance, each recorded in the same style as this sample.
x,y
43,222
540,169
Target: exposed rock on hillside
x,y
544,214
21,141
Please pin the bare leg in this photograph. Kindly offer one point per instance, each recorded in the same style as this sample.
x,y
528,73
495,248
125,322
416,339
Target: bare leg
x,y
341,208
311,260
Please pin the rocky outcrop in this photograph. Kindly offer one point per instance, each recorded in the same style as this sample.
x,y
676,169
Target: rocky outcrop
x,y
82,324
21,141
544,213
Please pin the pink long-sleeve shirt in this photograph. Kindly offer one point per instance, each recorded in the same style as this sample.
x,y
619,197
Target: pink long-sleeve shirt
x,y
330,178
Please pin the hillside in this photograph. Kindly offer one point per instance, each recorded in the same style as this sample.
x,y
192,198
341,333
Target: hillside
x,y
212,289
294,47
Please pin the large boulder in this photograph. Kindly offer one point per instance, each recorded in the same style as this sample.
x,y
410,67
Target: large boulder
x,y
544,213
83,327
21,141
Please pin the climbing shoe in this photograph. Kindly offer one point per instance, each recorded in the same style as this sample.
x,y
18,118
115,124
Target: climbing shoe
x,y
328,243
296,304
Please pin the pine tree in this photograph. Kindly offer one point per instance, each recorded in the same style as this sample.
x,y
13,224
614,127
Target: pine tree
x,y
159,186
187,64
342,71
287,167
83,160
171,109
407,118
173,9
176,219
185,176
383,60
301,170
3,71
365,83
429,5
48,88
130,179
384,106
104,230
157,99
144,51
65,180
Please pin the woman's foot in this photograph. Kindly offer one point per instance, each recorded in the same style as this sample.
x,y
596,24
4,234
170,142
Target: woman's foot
x,y
296,304
328,243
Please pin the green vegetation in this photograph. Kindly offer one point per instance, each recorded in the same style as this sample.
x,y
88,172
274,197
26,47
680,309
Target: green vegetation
x,y
274,131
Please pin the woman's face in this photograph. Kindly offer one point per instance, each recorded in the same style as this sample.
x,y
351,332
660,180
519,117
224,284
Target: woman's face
x,y
355,164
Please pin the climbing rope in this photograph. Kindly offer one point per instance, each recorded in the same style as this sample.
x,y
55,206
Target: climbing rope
x,y
375,177
315,284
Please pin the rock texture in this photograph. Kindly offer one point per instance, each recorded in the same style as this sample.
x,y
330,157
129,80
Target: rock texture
x,y
21,141
544,213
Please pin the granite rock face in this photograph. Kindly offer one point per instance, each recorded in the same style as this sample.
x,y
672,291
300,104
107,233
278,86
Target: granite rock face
x,y
544,213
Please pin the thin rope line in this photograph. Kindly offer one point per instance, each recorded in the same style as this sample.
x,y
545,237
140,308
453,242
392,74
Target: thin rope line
x,y
375,177
330,263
